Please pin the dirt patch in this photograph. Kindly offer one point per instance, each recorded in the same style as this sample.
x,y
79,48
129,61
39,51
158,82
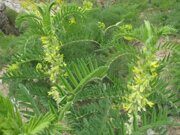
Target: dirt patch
x,y
174,130
3,87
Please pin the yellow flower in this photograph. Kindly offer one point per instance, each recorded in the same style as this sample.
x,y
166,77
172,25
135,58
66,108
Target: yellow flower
x,y
150,103
87,5
128,38
13,67
154,74
54,93
154,64
28,4
59,1
72,20
44,39
128,27
136,70
101,25
39,67
144,49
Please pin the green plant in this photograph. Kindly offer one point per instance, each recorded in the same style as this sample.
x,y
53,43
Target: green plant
x,y
12,122
6,46
118,88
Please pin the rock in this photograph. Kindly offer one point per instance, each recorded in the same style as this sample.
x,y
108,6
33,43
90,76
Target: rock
x,y
2,7
7,25
12,4
11,14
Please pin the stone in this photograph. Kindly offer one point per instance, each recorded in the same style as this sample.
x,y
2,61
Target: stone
x,y
12,4
5,25
2,7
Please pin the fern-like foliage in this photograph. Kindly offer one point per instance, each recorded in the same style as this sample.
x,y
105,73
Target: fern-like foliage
x,y
37,125
93,110
24,72
12,123
153,118
10,119
79,75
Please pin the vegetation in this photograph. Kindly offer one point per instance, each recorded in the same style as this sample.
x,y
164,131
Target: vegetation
x,y
89,68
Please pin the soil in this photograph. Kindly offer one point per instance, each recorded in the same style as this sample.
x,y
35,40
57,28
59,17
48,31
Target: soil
x,y
3,87
174,130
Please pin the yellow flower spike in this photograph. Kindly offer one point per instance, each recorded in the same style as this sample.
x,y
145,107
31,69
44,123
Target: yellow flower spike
x,y
139,88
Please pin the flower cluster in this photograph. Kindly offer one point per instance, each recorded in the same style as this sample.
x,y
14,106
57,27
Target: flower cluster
x,y
52,56
28,5
125,30
143,73
87,5
101,25
54,62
